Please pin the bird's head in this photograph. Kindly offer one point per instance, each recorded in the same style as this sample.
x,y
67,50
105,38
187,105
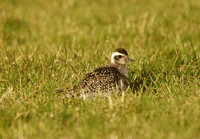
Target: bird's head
x,y
120,57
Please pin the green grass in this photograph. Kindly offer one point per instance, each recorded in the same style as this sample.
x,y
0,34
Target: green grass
x,y
45,45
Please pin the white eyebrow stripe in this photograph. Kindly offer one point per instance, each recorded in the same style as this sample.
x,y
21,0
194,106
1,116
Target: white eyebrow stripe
x,y
115,54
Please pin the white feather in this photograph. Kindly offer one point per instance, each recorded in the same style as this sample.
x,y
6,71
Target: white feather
x,y
115,54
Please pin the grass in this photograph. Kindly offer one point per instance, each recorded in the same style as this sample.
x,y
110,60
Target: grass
x,y
45,45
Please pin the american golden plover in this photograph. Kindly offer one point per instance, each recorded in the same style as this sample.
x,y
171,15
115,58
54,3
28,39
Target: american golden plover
x,y
114,76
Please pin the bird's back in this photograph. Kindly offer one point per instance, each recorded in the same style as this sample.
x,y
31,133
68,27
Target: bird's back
x,y
103,79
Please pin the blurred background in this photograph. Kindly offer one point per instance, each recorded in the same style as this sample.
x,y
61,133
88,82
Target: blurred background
x,y
50,44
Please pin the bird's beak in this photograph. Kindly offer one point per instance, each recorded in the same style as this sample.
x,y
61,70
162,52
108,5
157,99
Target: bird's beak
x,y
129,59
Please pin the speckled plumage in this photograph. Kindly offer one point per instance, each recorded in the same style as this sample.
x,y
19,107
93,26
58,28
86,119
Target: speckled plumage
x,y
104,78
107,78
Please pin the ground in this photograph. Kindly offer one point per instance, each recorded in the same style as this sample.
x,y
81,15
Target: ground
x,y
45,45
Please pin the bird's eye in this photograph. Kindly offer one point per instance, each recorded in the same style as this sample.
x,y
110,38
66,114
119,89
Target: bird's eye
x,y
119,56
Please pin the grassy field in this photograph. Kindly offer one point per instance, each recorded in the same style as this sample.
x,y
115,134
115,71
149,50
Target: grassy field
x,y
50,44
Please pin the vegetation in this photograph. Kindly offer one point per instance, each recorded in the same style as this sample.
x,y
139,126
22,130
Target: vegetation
x,y
45,45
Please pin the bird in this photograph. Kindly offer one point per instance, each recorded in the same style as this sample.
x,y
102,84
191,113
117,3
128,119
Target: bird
x,y
112,77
